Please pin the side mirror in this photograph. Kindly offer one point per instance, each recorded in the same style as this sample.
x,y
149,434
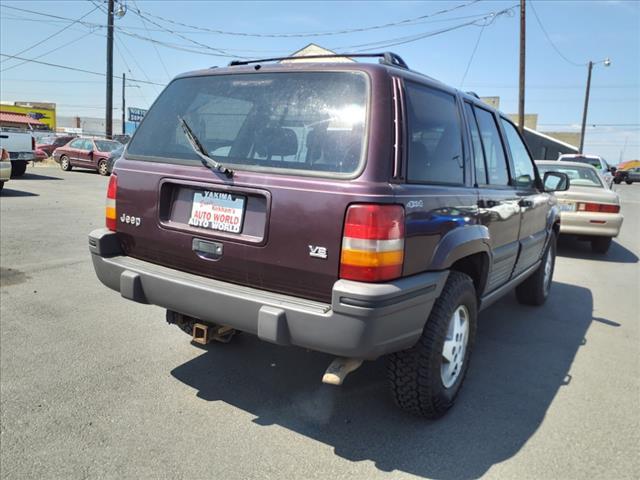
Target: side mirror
x,y
555,182
613,169
91,154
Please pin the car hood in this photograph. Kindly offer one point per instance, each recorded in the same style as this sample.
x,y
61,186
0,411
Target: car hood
x,y
589,194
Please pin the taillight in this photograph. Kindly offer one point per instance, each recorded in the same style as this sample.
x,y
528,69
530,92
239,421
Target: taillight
x,y
110,210
598,207
373,243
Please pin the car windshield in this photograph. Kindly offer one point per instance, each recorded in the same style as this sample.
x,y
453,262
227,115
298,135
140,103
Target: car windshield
x,y
106,145
594,162
578,176
302,122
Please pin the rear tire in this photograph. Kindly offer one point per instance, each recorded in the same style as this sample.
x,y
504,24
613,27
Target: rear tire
x,y
617,181
18,168
102,168
65,163
535,289
417,376
628,182
600,244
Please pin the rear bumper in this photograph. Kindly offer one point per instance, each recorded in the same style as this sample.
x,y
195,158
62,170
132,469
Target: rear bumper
x,y
583,223
363,320
5,171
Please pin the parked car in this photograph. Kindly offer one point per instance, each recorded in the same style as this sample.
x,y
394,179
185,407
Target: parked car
x,y
85,153
589,209
628,176
350,208
5,167
21,146
113,156
50,143
39,155
595,161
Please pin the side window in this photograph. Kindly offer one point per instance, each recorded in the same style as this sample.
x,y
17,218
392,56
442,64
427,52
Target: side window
x,y
524,170
435,137
77,143
497,170
478,152
87,145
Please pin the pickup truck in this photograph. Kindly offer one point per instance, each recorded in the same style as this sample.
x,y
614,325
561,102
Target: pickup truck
x,y
21,147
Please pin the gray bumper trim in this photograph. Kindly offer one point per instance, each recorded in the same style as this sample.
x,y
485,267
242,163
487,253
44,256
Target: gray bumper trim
x,y
363,320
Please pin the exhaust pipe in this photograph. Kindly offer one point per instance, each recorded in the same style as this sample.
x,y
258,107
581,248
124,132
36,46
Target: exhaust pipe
x,y
338,370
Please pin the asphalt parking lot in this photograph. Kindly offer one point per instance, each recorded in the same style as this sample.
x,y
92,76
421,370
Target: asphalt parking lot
x,y
93,386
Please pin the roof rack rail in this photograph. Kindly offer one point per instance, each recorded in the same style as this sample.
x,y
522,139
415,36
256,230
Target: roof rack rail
x,y
386,58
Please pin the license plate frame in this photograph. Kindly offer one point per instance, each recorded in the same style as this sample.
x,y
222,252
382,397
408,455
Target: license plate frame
x,y
218,211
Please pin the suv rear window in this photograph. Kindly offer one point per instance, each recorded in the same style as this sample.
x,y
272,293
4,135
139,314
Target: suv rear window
x,y
304,122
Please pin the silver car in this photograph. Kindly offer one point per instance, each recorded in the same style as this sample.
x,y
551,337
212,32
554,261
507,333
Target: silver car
x,y
589,208
595,161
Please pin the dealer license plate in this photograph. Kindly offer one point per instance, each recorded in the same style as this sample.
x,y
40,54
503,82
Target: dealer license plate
x,y
217,211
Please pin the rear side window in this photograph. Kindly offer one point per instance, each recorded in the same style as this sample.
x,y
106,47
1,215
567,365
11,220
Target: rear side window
x,y
435,138
478,152
79,143
522,164
308,122
497,170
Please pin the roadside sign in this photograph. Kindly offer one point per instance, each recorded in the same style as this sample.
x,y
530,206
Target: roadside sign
x,y
136,114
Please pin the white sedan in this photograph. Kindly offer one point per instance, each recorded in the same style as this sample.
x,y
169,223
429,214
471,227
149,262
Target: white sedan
x,y
589,208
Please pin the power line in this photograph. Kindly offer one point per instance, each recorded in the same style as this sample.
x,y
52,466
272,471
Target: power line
x,y
49,51
408,21
154,45
535,14
475,48
488,20
221,52
56,33
75,69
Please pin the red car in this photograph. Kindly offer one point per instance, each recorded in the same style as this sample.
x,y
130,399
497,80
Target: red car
x,y
49,144
85,153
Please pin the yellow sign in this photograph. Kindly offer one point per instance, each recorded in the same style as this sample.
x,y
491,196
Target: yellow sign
x,y
45,115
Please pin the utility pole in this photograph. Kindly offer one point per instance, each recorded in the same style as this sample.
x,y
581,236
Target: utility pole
x,y
109,103
522,66
123,102
586,106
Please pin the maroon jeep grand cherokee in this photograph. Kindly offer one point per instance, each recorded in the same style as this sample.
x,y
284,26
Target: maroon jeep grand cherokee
x,y
356,209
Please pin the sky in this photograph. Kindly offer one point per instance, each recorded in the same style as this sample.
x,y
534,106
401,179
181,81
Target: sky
x,y
478,37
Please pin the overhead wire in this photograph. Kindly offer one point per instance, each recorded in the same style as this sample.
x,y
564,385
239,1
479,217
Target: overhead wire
x,y
314,34
473,53
490,18
544,31
58,32
75,69
154,45
15,65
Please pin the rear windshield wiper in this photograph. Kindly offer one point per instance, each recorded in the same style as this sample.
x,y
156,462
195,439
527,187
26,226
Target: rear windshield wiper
x,y
206,160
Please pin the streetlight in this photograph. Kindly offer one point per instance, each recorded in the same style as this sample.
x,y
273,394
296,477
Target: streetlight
x,y
590,65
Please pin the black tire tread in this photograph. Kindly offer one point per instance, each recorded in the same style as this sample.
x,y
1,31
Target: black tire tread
x,y
410,371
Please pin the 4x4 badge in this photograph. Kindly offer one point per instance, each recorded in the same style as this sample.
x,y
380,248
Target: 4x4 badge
x,y
317,252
